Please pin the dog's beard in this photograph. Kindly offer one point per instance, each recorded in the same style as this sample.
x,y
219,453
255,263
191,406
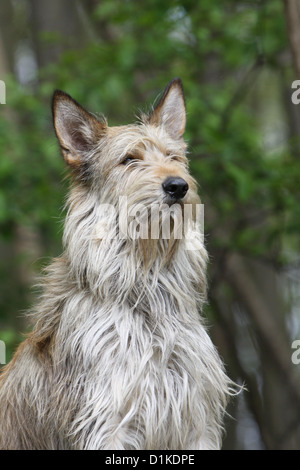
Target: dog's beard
x,y
155,232
149,228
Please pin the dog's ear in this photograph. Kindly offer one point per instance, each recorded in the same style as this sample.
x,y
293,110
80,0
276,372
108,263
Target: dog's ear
x,y
77,130
170,111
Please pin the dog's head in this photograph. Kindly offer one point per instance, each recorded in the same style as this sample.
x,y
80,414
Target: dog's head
x,y
141,170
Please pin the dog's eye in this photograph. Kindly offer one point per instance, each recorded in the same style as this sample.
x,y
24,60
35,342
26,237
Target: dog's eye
x,y
128,159
171,155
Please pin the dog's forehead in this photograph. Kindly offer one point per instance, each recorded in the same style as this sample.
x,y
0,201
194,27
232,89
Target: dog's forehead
x,y
145,137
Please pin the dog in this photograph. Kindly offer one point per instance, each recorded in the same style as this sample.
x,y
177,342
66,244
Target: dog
x,y
119,356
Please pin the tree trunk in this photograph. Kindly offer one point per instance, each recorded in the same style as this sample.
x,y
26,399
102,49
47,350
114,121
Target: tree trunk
x,y
292,10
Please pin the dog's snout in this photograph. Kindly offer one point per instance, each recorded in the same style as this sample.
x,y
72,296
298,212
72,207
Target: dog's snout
x,y
175,187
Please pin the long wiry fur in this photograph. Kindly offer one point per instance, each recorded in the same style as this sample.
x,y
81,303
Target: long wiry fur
x,y
119,357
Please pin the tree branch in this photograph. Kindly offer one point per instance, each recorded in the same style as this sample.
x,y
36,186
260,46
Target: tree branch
x,y
267,328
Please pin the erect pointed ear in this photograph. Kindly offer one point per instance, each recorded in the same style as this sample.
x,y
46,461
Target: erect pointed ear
x,y
77,130
170,111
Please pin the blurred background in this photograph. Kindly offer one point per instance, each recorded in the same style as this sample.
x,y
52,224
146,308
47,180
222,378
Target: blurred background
x,y
237,60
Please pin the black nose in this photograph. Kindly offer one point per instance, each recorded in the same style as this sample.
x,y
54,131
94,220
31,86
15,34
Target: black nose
x,y
175,187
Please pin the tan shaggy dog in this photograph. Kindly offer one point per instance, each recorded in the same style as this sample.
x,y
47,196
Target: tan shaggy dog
x,y
119,357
